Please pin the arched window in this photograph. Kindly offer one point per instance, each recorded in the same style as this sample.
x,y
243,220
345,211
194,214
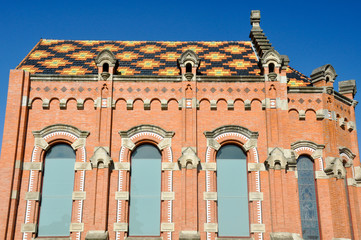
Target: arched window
x,y
307,196
58,184
145,191
105,67
233,214
188,68
271,67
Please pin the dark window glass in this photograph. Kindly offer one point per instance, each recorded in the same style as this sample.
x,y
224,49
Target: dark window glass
x,y
271,67
307,196
189,68
105,67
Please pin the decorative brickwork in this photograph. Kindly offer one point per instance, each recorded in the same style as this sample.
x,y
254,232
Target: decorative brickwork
x,y
187,99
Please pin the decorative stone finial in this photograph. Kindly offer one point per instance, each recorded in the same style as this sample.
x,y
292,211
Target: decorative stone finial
x,y
255,19
347,87
325,72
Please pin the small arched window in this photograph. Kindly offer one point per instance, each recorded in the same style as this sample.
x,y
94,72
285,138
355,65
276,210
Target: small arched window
x,y
271,67
58,185
188,68
233,213
307,196
105,67
145,191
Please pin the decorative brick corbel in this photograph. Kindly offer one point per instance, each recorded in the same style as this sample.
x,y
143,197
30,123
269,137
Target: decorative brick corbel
x,y
335,168
189,158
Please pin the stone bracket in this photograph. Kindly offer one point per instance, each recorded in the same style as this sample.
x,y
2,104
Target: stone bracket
x,y
209,166
14,194
79,195
166,196
120,227
167,227
211,227
255,196
258,228
321,175
255,167
37,166
76,227
28,227
122,195
35,196
169,166
122,166
82,166
210,196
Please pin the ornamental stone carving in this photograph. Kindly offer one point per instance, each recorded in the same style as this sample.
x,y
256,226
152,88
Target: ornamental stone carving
x,y
322,73
335,168
189,158
101,158
280,159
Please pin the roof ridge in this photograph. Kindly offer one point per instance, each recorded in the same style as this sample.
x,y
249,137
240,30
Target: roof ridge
x,y
74,40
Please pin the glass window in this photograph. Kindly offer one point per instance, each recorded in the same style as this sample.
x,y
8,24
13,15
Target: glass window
x,y
233,214
307,196
145,191
58,184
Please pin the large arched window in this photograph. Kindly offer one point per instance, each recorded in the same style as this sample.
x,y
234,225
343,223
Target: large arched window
x,y
58,184
145,191
233,213
307,196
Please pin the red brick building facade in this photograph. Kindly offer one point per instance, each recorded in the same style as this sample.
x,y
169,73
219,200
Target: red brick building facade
x,y
188,100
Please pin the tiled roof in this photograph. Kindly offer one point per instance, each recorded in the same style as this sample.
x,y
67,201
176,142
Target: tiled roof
x,y
68,57
297,79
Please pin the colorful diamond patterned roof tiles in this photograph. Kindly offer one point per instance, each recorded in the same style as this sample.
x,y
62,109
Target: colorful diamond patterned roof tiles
x,y
67,57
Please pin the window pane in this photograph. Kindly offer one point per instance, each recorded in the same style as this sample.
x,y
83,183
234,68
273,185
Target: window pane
x,y
58,183
307,196
233,216
145,190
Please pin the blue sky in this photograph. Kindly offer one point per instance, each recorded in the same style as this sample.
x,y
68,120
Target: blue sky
x,y
311,33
